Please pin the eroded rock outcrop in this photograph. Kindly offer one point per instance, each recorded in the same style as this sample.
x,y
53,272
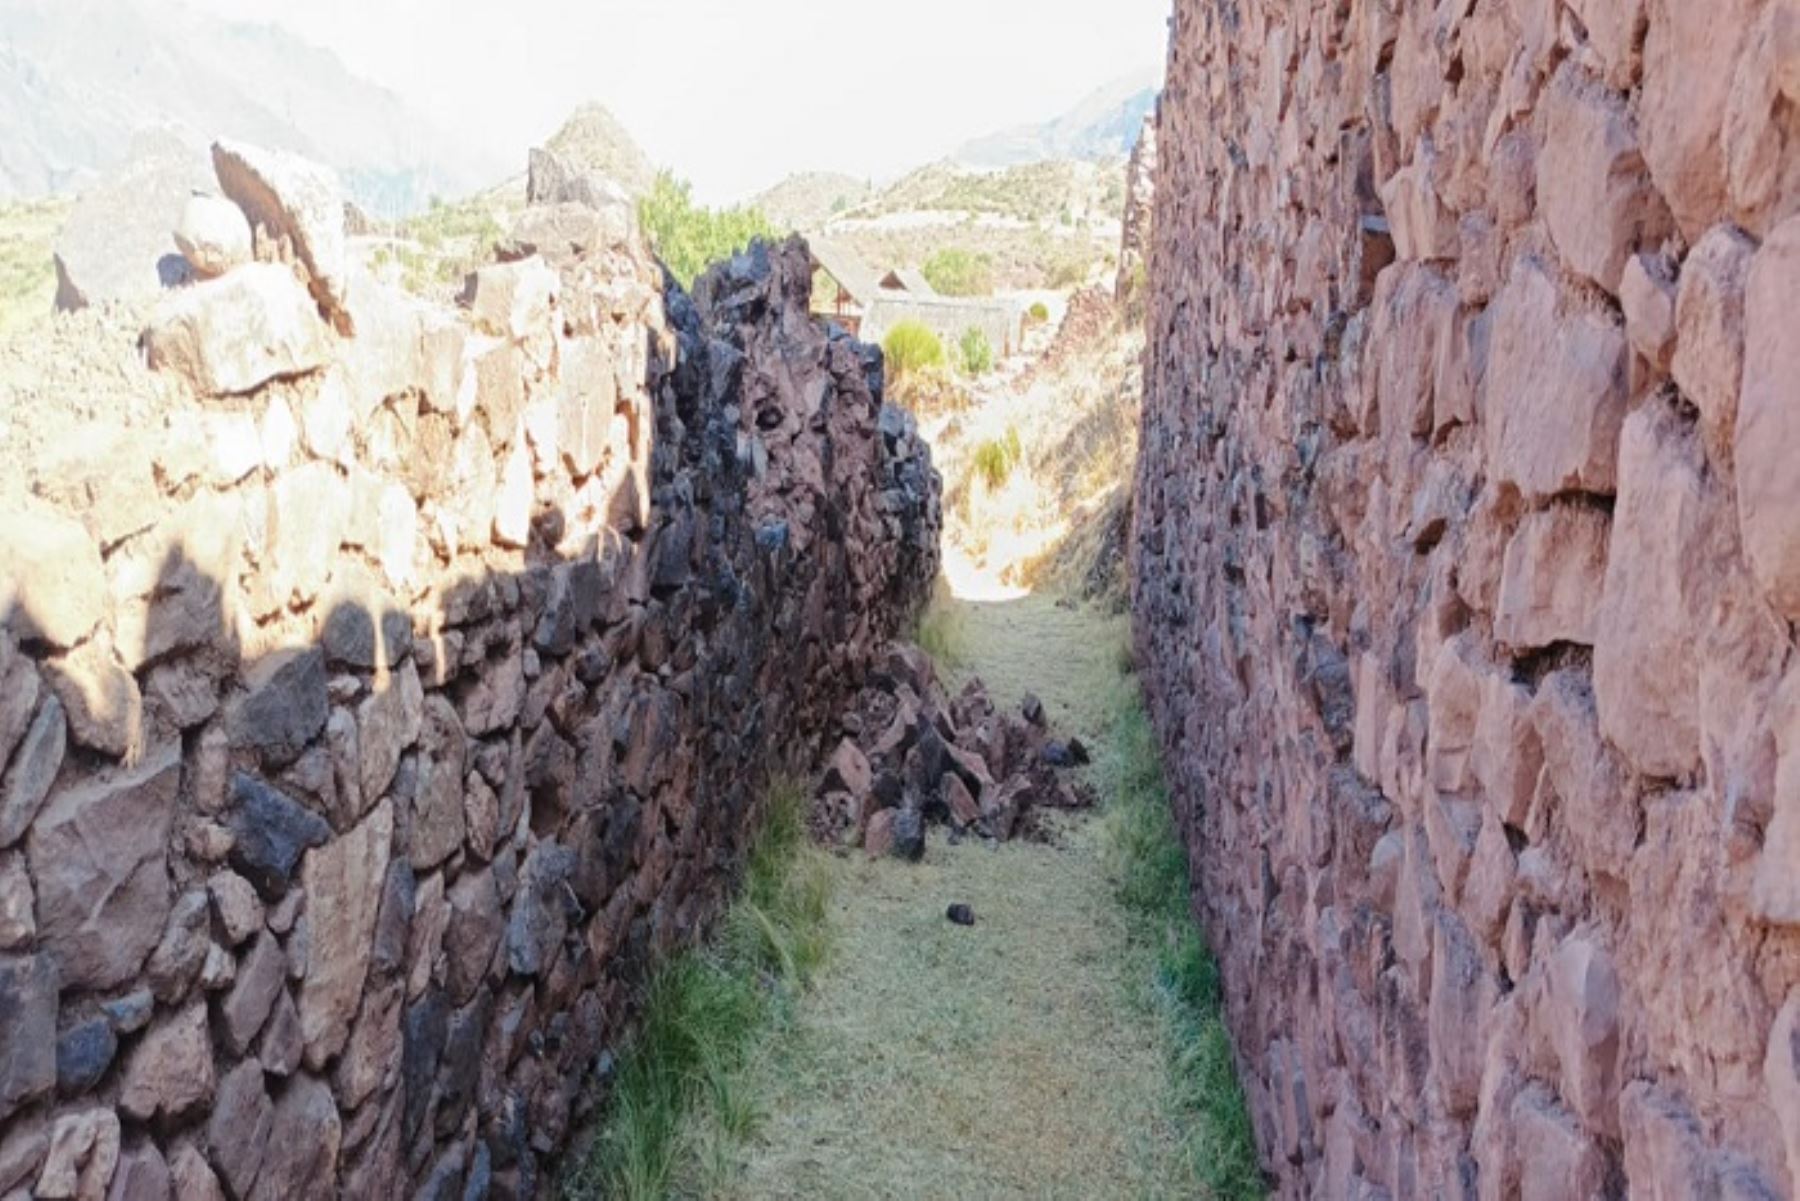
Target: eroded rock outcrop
x,y
1464,550
377,713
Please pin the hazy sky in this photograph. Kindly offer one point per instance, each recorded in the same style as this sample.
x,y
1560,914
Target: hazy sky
x,y
735,94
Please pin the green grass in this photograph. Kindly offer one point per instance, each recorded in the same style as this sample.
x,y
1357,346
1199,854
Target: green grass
x,y
705,1010
977,352
995,458
1151,872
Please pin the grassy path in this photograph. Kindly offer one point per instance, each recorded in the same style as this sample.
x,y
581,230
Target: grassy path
x,y
1028,1056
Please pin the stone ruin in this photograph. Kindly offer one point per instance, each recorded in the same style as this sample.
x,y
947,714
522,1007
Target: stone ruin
x,y
913,756
1467,557
381,706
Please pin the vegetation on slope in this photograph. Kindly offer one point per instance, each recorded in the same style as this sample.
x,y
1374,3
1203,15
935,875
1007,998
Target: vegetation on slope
x,y
27,272
954,271
703,1012
690,237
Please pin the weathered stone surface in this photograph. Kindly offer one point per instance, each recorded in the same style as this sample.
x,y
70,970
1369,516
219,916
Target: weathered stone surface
x,y
83,1053
17,902
1646,679
182,951
84,1152
100,699
513,300
1550,586
191,1178
1592,185
52,586
298,206
27,782
387,723
270,831
285,708
541,909
99,853
259,979
28,985
474,927
304,1137
170,1071
231,335
1709,319
437,804
343,881
1768,425
142,1173
1648,297
1556,390
235,902
213,235
237,1131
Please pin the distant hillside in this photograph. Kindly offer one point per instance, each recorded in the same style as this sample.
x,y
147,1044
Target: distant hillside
x,y
808,200
1061,193
1103,126
594,139
77,77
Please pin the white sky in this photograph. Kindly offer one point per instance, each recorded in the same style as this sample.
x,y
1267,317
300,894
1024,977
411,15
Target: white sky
x,y
735,94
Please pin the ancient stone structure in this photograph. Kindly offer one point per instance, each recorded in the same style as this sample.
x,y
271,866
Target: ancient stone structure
x,y
1467,553
1140,209
384,699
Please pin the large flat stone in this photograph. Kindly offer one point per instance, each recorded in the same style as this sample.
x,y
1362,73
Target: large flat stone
x,y
298,205
28,986
1555,393
1767,437
343,881
231,335
99,853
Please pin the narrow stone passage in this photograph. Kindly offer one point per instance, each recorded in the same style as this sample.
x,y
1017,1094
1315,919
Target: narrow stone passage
x,y
1022,1057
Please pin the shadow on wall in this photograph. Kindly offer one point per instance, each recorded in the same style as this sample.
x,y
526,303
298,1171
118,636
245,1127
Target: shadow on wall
x,y
319,877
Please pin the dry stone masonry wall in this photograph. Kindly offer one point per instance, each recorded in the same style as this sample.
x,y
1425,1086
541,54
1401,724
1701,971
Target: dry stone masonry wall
x,y
383,688
1467,557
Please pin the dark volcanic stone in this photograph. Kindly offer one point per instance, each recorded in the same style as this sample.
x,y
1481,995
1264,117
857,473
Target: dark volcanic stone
x,y
286,708
83,1054
961,914
270,831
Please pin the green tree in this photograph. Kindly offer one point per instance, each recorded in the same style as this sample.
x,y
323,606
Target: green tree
x,y
956,272
689,237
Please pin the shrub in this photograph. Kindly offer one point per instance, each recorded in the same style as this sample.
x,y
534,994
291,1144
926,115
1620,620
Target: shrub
x,y
688,237
956,272
1039,313
909,347
996,457
977,352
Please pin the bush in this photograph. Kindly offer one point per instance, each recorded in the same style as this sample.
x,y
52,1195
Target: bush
x,y
1039,313
996,458
955,272
910,347
688,237
977,352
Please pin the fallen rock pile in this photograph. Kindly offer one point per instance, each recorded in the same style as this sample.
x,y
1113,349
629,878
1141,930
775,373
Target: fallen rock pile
x,y
913,756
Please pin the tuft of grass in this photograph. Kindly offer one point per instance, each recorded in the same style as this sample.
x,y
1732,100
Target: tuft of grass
x,y
995,458
705,1009
942,631
1150,868
977,352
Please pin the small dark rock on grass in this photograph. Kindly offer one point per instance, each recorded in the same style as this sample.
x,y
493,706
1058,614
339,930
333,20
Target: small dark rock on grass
x,y
961,914
1073,753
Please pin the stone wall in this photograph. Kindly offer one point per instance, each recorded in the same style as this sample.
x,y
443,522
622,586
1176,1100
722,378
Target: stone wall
x,y
387,687
1467,552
